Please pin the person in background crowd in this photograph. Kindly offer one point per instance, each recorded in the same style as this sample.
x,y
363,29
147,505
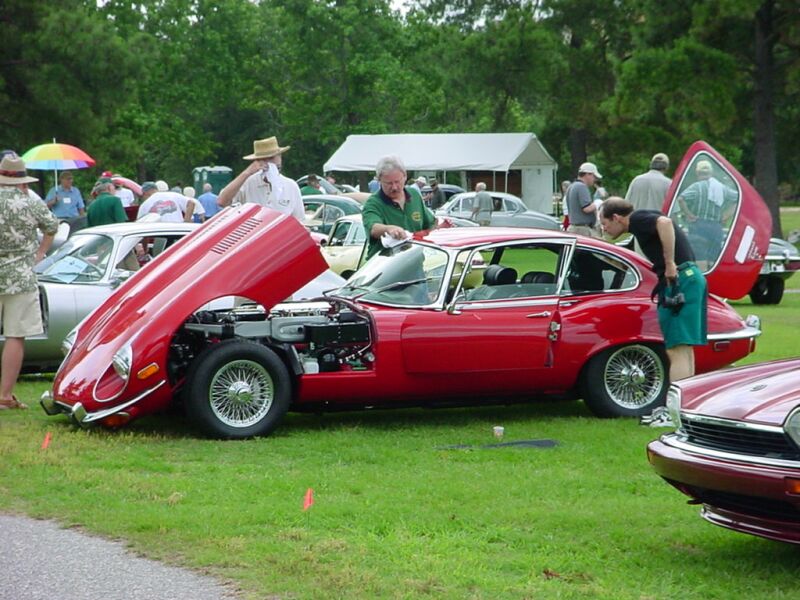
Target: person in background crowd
x,y
330,178
420,182
162,186
198,210
647,191
706,206
20,311
106,207
374,185
65,200
394,209
125,196
209,201
311,187
13,154
170,206
427,194
262,182
581,209
437,197
564,210
482,205
682,290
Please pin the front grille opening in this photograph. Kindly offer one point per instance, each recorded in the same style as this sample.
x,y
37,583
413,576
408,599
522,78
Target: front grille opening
x,y
728,438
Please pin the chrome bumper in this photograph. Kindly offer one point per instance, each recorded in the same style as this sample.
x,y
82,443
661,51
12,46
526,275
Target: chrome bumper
x,y
78,414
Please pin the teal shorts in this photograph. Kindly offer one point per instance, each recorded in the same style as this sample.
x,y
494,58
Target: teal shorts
x,y
688,326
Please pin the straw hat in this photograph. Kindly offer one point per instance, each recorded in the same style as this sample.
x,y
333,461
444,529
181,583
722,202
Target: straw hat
x,y
12,171
266,148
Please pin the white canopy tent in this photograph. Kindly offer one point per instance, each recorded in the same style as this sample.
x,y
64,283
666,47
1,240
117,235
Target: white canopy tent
x,y
459,152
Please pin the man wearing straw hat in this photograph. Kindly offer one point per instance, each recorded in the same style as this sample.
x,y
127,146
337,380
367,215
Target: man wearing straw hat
x,y
262,183
20,218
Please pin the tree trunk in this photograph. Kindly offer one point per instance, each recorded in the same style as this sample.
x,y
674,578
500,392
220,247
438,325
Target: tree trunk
x,y
766,170
577,149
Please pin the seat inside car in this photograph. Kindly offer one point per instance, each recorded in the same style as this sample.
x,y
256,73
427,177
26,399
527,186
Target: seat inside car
x,y
538,277
499,275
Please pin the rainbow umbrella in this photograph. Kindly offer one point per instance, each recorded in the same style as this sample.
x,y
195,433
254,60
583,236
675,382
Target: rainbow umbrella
x,y
57,157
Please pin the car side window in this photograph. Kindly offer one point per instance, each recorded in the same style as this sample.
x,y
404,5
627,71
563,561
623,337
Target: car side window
x,y
526,271
592,272
339,234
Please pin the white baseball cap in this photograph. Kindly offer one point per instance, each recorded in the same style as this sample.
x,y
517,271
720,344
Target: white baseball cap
x,y
591,168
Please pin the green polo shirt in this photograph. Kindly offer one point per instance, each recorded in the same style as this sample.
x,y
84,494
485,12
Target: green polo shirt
x,y
105,209
308,190
379,208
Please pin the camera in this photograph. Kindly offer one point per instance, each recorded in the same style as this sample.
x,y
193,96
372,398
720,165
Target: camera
x,y
675,302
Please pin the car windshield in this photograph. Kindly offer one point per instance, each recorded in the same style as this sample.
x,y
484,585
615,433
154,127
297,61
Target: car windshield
x,y
84,259
408,275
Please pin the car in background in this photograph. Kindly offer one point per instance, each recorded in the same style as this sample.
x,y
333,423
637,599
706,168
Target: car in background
x,y
83,272
509,211
344,248
780,263
322,210
736,447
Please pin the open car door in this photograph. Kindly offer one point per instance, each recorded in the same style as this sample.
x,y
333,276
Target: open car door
x,y
726,220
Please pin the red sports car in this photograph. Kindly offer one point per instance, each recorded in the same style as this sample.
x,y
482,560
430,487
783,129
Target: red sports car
x,y
736,449
450,316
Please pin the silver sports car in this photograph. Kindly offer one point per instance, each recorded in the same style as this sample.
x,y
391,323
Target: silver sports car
x,y
83,272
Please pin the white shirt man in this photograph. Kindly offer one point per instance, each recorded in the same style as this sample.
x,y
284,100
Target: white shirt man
x,y
125,196
171,207
262,183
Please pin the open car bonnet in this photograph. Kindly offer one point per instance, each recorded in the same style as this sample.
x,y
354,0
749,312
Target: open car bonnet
x,y
247,251
727,222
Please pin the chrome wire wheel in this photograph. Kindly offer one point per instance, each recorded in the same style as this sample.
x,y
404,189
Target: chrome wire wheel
x,y
634,376
241,393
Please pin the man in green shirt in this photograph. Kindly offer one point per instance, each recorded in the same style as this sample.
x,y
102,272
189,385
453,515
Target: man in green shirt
x,y
106,208
311,188
393,209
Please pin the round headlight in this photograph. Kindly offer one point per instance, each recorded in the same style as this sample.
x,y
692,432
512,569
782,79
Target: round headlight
x,y
792,426
674,405
69,341
122,361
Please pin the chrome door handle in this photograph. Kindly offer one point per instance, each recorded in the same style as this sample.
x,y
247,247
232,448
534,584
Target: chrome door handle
x,y
545,313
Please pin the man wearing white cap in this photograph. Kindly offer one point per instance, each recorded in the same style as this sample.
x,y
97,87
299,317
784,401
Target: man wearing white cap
x,y
582,211
20,218
262,183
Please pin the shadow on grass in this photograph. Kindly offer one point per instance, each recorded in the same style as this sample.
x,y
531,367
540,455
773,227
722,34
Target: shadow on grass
x,y
174,424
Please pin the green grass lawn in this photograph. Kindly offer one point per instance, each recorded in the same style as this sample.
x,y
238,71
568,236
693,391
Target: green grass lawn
x,y
398,513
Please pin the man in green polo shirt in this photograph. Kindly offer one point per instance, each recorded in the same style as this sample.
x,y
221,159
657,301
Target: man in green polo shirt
x,y
393,209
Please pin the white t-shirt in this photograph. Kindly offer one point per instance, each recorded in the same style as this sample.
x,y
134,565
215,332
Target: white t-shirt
x,y
288,200
170,206
125,196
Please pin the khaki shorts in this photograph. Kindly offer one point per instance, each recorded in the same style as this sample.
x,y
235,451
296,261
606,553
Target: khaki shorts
x,y
21,314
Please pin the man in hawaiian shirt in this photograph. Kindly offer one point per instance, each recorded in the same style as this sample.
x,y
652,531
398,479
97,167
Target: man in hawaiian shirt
x,y
20,217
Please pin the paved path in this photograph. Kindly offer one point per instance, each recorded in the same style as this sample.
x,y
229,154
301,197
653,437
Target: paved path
x,y
42,561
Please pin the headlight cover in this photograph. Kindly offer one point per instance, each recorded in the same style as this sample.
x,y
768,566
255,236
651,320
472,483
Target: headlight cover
x,y
792,425
69,341
674,405
122,361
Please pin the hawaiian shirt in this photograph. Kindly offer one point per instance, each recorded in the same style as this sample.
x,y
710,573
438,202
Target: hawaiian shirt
x,y
20,217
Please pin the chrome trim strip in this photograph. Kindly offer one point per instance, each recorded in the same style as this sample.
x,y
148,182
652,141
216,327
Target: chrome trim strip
x,y
743,334
672,440
502,303
731,423
102,414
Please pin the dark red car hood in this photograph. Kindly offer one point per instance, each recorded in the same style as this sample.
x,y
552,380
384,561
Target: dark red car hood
x,y
763,393
246,251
